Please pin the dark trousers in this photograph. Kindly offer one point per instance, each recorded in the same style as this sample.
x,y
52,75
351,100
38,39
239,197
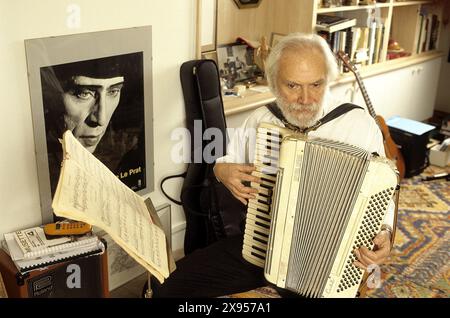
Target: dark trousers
x,y
216,270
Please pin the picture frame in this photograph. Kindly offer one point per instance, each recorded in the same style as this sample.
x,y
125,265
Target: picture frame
x,y
275,38
208,25
122,268
236,63
99,86
212,55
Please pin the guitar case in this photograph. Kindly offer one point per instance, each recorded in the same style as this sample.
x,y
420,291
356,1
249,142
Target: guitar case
x,y
211,211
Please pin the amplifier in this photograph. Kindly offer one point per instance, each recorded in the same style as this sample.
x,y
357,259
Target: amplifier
x,y
80,277
414,150
412,136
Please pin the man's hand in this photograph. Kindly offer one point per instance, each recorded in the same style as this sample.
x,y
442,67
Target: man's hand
x,y
232,175
380,252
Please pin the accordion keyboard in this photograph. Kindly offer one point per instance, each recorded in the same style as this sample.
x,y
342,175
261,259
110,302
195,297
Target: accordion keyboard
x,y
258,212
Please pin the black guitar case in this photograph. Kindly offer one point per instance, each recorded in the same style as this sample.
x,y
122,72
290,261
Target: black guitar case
x,y
211,211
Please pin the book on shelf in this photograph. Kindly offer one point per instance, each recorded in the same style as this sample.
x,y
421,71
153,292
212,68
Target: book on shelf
x,y
434,32
428,24
372,34
88,191
379,38
330,23
343,40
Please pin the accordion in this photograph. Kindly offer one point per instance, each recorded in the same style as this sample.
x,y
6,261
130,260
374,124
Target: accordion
x,y
317,202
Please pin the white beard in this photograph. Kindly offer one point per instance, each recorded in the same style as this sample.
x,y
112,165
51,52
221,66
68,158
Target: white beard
x,y
309,116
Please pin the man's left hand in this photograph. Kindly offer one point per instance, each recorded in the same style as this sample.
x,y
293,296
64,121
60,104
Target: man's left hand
x,y
380,252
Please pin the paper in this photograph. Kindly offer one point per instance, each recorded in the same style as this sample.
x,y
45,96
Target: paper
x,y
64,245
88,191
260,89
409,125
33,240
92,246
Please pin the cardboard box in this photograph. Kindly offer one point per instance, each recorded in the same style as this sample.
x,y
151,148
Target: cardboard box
x,y
439,158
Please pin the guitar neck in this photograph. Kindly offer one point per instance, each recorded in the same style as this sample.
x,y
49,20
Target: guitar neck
x,y
390,147
366,97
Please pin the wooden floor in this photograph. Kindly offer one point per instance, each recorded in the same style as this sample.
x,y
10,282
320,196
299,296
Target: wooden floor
x,y
132,289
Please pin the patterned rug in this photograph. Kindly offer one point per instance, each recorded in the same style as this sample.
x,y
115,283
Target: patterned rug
x,y
419,265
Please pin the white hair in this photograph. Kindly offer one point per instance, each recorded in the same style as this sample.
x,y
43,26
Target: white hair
x,y
300,42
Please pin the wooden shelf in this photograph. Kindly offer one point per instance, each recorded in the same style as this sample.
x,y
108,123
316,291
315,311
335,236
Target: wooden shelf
x,y
372,6
409,3
249,100
352,8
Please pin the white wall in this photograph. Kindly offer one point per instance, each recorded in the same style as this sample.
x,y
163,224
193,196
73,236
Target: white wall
x,y
173,25
443,95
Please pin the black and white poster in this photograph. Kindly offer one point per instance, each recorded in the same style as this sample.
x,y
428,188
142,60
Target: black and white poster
x,y
98,85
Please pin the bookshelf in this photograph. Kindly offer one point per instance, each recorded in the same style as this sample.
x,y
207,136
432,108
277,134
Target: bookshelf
x,y
405,22
402,21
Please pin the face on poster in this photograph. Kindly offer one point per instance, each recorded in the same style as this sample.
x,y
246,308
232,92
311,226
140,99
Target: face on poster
x,y
101,101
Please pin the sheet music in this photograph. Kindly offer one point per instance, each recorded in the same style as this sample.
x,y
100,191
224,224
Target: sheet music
x,y
88,191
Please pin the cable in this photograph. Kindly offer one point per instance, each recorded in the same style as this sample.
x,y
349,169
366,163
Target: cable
x,y
181,175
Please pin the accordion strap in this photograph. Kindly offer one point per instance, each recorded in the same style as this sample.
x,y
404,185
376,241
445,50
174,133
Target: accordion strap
x,y
335,113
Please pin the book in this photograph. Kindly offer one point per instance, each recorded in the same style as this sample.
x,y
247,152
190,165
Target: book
x,y
330,23
20,249
355,40
372,33
434,32
379,43
88,191
419,38
89,245
30,241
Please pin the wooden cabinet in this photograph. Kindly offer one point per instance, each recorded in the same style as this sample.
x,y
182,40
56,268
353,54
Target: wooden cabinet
x,y
408,92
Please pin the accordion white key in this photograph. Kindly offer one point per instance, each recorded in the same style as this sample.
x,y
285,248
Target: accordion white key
x,y
318,201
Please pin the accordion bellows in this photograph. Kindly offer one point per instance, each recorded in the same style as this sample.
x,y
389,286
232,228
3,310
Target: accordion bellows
x,y
318,201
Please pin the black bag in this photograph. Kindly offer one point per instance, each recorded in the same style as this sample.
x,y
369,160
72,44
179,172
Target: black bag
x,y
210,209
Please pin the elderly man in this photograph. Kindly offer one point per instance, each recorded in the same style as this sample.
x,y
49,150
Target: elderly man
x,y
299,71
